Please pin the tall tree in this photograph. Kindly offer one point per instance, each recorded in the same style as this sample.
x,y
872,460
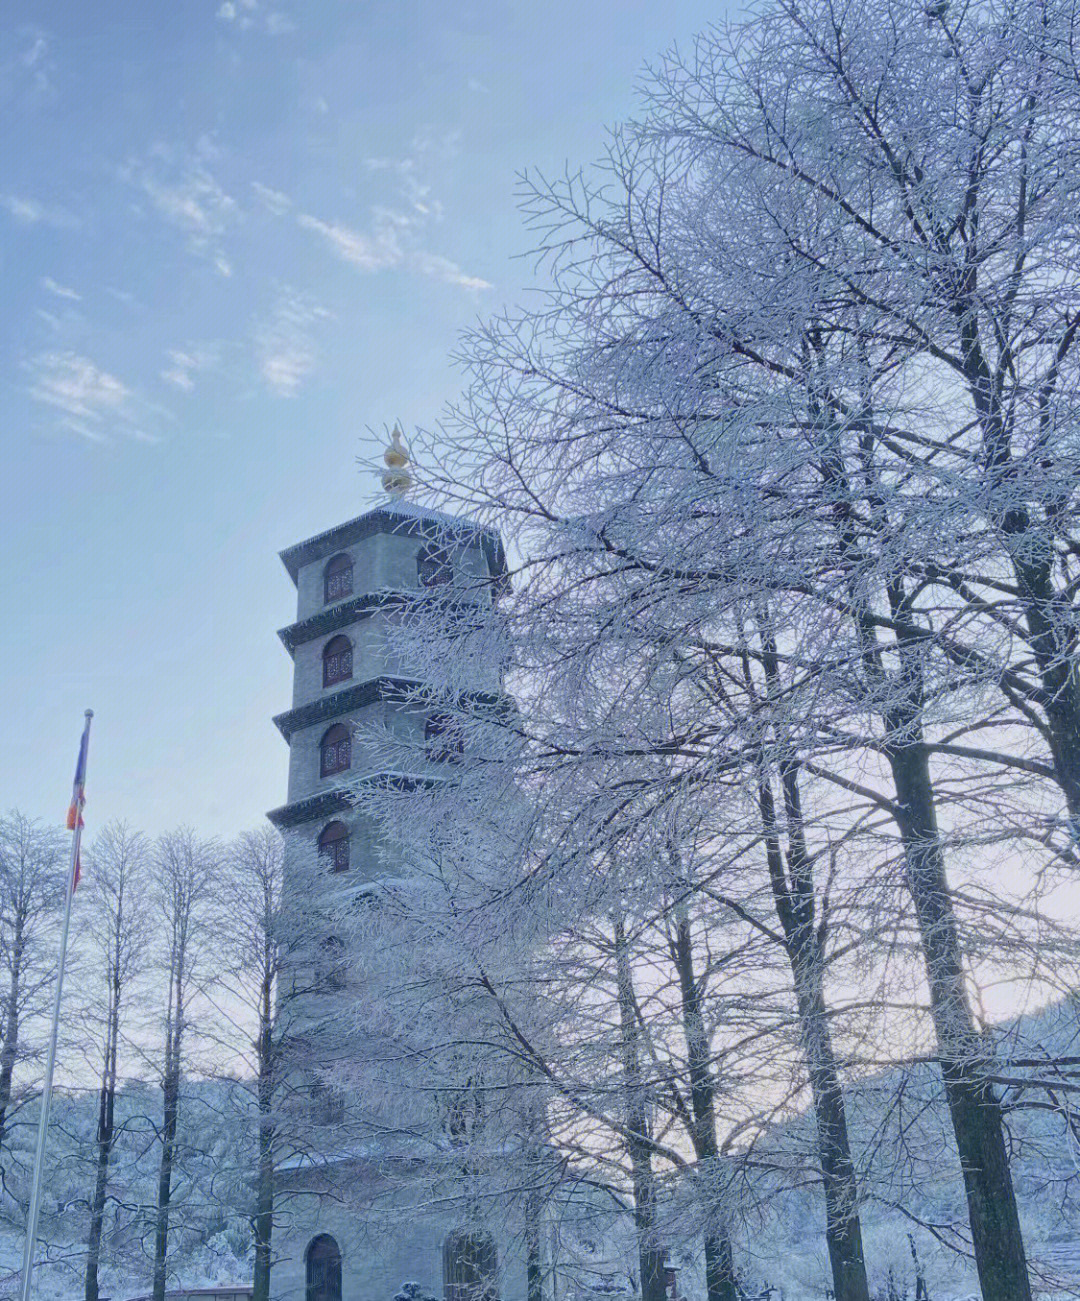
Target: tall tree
x,y
119,934
185,882
32,882
253,869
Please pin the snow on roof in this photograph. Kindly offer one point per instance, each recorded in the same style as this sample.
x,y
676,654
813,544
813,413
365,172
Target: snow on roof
x,y
414,510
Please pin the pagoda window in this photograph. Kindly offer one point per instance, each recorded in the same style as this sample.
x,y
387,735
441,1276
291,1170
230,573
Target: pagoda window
x,y
337,661
337,579
335,751
433,568
334,846
331,973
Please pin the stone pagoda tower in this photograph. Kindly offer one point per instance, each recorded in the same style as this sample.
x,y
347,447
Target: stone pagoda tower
x,y
351,581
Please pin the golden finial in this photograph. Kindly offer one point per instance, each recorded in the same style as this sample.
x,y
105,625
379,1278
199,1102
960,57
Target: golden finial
x,y
396,478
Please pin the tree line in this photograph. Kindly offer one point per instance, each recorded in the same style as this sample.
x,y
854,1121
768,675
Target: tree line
x,y
164,1128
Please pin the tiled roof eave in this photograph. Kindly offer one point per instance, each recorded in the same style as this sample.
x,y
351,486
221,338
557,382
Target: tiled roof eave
x,y
384,519
339,615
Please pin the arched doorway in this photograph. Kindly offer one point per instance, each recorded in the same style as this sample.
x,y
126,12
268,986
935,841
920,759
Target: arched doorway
x,y
323,1269
470,1267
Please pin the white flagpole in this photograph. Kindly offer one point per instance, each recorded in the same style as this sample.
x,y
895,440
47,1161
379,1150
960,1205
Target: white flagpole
x,y
30,1245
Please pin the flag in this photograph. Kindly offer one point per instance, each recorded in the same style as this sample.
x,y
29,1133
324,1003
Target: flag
x,y
78,790
78,795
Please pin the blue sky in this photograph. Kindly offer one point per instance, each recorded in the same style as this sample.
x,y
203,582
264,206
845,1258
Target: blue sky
x,y
236,238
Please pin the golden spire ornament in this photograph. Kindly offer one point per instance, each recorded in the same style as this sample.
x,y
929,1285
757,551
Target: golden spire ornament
x,y
396,478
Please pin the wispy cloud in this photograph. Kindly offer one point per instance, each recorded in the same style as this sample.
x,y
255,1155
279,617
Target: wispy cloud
x,y
371,251
285,345
392,241
77,387
185,364
31,212
88,400
441,268
248,14
61,291
27,69
186,194
274,200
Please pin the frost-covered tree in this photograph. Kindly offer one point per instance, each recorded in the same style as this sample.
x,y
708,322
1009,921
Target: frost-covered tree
x,y
249,927
183,891
32,880
803,399
117,934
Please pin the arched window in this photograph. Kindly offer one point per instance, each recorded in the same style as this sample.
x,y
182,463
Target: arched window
x,y
323,1260
470,1266
331,973
336,661
334,846
337,579
327,1105
444,740
433,566
335,751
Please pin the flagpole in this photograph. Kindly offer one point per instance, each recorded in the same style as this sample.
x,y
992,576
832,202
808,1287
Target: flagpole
x,y
30,1245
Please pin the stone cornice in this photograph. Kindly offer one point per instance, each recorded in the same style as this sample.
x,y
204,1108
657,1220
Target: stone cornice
x,y
383,520
334,617
367,693
342,702
326,803
315,806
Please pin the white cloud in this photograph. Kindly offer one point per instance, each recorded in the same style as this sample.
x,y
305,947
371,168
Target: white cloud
x,y
61,291
88,400
441,268
246,14
370,252
29,212
185,363
75,386
197,203
189,197
284,346
35,52
81,428
274,200
393,241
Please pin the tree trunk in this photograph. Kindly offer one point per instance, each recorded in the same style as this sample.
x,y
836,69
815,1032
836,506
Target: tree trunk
x,y
1048,613
650,1255
794,901
534,1268
10,1050
106,1134
796,908
973,1103
170,1116
264,1194
1050,618
720,1282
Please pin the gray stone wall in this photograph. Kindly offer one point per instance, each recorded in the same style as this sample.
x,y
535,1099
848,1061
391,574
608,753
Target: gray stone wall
x,y
384,1237
381,562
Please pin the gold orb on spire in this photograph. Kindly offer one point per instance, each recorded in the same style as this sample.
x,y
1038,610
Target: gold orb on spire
x,y
396,478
